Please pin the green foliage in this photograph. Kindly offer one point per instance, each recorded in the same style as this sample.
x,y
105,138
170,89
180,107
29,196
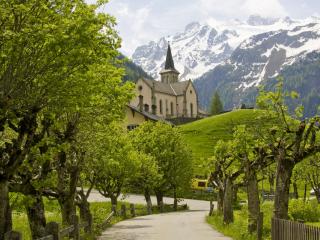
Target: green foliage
x,y
164,143
114,161
306,211
147,175
216,104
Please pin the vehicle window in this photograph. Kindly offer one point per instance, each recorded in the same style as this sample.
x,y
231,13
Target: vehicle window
x,y
201,184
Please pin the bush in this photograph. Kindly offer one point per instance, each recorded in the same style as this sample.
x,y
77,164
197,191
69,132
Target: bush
x,y
306,211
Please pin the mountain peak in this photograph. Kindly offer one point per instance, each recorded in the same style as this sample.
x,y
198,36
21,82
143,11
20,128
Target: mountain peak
x,y
192,26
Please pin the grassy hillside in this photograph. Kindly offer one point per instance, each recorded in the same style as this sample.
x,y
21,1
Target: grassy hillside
x,y
202,135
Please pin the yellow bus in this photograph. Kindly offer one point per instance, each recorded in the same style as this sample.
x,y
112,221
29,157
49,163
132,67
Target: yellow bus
x,y
201,185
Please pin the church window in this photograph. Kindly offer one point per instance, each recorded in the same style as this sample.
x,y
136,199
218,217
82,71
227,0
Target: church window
x,y
146,108
160,106
171,106
190,91
140,87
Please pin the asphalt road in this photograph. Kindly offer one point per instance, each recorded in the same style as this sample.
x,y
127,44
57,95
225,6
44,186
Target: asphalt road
x,y
187,225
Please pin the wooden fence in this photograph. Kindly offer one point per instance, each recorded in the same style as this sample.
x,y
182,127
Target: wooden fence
x,y
288,230
54,232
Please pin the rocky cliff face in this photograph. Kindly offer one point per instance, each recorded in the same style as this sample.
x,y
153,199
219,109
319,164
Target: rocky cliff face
x,y
259,60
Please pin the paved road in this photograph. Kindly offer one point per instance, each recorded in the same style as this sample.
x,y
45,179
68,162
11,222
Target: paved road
x,y
188,225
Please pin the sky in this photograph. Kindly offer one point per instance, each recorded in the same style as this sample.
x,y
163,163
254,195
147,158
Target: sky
x,y
141,21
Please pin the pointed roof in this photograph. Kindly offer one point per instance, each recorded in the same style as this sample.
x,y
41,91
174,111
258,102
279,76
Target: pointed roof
x,y
169,64
169,60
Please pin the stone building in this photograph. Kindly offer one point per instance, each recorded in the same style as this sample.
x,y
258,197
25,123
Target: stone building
x,y
168,98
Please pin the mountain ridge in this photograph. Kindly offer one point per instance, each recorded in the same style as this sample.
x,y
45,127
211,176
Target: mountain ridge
x,y
236,57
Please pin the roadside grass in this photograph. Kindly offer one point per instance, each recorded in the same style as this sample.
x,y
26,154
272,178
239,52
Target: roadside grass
x,y
99,210
238,229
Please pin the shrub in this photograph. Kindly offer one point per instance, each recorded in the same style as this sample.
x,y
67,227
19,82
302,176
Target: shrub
x,y
306,211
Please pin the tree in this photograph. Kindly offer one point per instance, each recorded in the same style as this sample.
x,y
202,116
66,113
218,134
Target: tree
x,y
115,162
216,104
147,176
57,58
164,143
227,169
309,170
290,141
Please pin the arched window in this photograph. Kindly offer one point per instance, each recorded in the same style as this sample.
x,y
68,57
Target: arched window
x,y
160,106
191,109
146,108
171,106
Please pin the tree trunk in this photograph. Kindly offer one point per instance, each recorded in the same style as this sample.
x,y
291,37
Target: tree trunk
x,y
295,190
271,183
114,200
284,172
159,196
235,194
305,192
317,193
36,217
68,209
175,201
5,210
147,196
85,213
220,201
227,203
253,201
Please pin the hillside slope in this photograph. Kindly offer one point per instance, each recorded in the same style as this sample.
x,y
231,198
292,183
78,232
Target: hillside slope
x,y
202,135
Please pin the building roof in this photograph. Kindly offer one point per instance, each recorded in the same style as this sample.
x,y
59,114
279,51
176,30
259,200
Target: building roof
x,y
148,115
174,89
169,64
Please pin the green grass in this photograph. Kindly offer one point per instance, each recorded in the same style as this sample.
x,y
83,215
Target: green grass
x,y
99,210
202,135
238,229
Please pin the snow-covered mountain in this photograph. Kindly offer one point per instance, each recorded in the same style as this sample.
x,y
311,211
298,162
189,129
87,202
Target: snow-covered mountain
x,y
293,53
201,47
235,57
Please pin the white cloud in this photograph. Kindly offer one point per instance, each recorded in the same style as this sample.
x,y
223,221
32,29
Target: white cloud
x,y
266,8
140,21
240,8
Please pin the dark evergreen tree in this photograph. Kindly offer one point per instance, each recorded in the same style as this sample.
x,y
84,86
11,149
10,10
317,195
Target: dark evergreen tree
x,y
216,104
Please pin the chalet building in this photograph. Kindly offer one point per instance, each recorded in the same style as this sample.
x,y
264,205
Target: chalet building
x,y
169,98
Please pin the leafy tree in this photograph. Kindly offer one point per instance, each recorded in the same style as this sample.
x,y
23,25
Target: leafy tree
x,y
216,104
147,176
115,162
290,141
309,170
164,143
58,59
227,169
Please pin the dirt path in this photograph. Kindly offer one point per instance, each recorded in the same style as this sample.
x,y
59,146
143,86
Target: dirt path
x,y
189,225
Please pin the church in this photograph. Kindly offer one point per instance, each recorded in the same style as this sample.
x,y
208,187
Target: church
x,y
169,98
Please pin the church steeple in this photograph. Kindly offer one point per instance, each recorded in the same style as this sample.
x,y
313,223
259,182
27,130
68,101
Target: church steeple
x,y
169,60
169,74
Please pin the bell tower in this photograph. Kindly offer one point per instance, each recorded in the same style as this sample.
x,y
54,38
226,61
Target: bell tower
x,y
169,74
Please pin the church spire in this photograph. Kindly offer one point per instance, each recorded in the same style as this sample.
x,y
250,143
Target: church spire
x,y
169,65
169,74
